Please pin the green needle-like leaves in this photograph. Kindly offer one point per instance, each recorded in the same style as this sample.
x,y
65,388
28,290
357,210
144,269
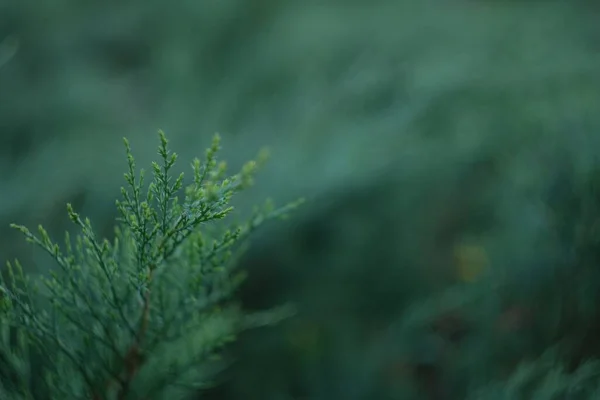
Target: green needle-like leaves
x,y
144,314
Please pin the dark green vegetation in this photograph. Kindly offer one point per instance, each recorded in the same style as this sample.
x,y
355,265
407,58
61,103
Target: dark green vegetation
x,y
448,148
140,316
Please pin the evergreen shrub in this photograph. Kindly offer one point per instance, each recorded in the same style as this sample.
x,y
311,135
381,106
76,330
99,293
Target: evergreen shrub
x,y
145,314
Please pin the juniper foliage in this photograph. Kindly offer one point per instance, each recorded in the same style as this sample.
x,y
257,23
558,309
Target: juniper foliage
x,y
143,315
545,378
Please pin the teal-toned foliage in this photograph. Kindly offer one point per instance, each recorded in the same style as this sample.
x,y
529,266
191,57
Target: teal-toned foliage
x,y
543,379
144,314
427,134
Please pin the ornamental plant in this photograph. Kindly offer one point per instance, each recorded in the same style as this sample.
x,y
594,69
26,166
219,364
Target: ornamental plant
x,y
142,315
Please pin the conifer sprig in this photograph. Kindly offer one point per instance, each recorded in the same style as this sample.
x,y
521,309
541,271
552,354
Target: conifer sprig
x,y
139,316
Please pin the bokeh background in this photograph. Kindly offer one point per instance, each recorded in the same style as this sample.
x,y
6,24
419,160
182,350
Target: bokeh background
x,y
440,145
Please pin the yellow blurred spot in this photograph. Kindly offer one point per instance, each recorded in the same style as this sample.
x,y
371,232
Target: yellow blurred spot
x,y
304,337
470,261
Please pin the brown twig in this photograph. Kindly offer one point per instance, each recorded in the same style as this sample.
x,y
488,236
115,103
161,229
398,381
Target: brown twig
x,y
134,358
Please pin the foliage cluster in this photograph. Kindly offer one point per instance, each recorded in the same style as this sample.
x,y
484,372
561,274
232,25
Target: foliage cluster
x,y
141,316
446,97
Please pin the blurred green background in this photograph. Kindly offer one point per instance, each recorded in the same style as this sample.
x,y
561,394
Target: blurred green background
x,y
431,138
